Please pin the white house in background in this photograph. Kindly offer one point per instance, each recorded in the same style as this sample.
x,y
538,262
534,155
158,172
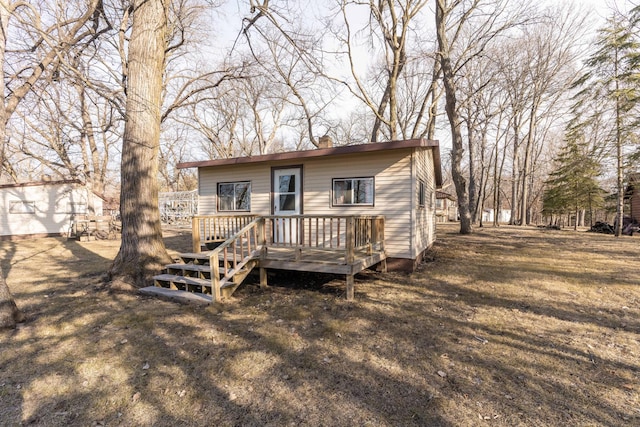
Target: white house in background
x,y
396,179
45,208
504,215
446,207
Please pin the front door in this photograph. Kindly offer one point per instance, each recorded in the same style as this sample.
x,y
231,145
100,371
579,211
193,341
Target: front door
x,y
287,201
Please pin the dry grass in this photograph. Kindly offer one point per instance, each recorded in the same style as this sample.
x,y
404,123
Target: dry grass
x,y
506,327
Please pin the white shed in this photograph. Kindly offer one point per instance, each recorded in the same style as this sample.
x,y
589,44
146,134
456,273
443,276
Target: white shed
x,y
44,208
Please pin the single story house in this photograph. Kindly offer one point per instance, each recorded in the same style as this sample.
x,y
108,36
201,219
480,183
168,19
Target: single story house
x,y
44,208
396,181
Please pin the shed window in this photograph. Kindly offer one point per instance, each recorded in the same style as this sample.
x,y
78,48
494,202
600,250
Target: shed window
x,y
234,196
422,194
353,191
22,207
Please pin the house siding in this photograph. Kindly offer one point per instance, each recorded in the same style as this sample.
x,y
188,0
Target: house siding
x,y
635,205
423,217
51,216
391,171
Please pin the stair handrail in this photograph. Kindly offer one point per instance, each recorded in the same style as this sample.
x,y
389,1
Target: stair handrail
x,y
257,227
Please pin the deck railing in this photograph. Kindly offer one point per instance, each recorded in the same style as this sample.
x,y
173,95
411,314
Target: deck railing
x,y
339,233
213,230
326,232
232,255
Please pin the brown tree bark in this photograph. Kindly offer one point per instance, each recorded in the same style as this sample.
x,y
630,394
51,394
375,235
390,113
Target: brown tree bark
x,y
142,252
457,149
9,313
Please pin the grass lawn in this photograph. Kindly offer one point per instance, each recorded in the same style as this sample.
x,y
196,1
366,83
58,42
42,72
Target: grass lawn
x,y
509,326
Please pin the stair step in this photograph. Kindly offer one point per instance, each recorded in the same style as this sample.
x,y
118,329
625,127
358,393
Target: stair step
x,y
199,257
173,278
190,267
192,297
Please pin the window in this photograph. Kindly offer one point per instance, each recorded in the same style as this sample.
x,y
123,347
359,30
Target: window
x,y
421,194
234,196
439,204
22,207
353,191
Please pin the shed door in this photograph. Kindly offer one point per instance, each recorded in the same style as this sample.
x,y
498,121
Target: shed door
x,y
287,201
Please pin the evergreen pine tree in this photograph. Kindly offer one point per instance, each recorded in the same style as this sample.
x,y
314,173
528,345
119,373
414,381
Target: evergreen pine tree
x,y
573,185
610,85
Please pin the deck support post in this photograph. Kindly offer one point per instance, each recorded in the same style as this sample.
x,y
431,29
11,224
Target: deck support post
x,y
214,262
195,233
263,278
350,278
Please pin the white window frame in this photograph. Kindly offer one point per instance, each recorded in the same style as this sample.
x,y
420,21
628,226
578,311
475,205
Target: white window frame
x,y
335,193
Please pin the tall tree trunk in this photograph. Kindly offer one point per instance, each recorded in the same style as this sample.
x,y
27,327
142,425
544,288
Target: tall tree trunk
x,y
619,222
457,149
473,207
524,202
9,313
142,252
514,190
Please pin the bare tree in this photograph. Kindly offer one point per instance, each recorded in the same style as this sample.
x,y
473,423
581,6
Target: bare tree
x,y
549,63
142,251
47,44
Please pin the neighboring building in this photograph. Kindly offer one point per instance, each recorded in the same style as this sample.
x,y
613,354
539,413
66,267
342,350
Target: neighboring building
x,y
45,208
633,194
446,207
504,215
395,179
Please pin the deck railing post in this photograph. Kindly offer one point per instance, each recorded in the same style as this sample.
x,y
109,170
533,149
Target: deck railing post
x,y
195,232
214,262
350,240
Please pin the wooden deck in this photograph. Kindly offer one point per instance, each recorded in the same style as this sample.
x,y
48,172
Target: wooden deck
x,y
343,245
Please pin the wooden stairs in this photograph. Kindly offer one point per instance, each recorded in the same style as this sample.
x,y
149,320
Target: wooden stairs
x,y
209,276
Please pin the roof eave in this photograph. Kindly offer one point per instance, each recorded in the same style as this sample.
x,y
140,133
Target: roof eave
x,y
323,152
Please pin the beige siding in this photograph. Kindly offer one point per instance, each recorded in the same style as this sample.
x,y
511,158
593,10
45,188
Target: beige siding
x,y
424,217
392,173
391,170
258,174
51,202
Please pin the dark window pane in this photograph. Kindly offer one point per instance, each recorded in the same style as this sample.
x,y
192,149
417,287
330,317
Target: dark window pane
x,y
287,184
363,191
243,199
287,202
234,196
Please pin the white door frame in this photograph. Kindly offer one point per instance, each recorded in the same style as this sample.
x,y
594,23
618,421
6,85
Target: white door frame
x,y
282,190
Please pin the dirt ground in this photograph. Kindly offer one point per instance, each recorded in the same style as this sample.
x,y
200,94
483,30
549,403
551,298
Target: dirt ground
x,y
506,327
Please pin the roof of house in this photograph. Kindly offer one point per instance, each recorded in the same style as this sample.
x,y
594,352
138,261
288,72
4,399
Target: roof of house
x,y
48,182
43,182
333,151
